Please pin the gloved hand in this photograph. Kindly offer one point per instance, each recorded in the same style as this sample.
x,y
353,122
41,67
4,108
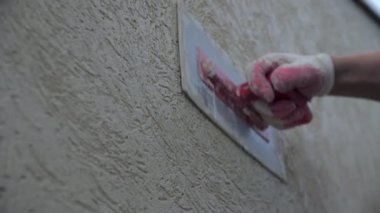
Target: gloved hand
x,y
307,76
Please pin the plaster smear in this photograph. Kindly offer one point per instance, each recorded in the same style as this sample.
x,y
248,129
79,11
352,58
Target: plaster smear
x,y
93,118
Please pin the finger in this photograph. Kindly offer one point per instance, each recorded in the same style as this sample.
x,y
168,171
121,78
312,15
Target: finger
x,y
258,81
277,110
262,108
298,98
276,123
289,77
302,115
259,72
262,126
307,118
255,119
282,109
280,58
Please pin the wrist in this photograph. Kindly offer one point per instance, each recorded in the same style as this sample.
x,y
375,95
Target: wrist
x,y
343,78
357,76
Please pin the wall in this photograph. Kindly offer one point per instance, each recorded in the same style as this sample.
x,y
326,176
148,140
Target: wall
x,y
93,118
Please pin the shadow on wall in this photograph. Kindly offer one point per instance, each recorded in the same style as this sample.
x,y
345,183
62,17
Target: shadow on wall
x,y
371,7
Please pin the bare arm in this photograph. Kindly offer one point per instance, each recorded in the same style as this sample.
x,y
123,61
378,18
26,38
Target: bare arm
x,y
357,76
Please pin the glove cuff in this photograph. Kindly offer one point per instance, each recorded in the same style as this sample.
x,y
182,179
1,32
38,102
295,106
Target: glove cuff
x,y
327,67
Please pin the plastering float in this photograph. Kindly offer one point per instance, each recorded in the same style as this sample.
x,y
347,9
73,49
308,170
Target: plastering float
x,y
217,88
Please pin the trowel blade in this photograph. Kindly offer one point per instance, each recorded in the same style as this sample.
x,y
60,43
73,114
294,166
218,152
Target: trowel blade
x,y
191,37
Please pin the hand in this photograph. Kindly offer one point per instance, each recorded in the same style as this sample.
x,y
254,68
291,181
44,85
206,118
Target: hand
x,y
307,76
246,105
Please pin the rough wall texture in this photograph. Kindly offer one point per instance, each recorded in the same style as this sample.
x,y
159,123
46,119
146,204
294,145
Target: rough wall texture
x,y
93,118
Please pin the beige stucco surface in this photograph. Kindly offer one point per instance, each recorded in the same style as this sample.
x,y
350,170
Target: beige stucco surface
x,y
93,119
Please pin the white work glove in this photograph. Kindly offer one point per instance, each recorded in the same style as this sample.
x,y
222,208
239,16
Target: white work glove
x,y
305,76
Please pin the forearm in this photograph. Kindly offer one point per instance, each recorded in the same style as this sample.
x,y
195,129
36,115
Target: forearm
x,y
357,76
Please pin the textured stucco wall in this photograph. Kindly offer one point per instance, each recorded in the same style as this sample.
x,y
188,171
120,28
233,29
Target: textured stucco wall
x,y
93,118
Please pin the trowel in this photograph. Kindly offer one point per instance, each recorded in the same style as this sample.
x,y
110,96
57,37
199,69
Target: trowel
x,y
215,86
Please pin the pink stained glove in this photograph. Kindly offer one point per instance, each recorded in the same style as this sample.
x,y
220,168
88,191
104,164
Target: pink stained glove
x,y
238,98
308,76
